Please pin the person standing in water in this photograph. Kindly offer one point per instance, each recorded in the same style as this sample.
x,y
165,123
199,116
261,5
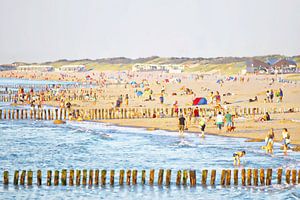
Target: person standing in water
x,y
202,125
181,125
270,141
237,157
286,139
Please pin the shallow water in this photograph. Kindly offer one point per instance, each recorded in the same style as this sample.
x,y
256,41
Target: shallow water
x,y
86,145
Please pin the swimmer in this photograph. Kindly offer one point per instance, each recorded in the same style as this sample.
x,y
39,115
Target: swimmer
x,y
237,156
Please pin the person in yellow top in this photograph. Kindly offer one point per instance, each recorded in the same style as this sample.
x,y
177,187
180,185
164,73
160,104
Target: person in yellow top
x,y
237,156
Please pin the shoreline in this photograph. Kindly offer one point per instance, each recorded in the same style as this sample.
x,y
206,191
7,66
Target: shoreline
x,y
194,130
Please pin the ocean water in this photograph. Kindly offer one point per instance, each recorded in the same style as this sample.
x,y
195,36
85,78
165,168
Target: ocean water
x,y
33,145
87,145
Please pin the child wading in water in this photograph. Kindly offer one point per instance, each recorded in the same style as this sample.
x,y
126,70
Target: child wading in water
x,y
237,156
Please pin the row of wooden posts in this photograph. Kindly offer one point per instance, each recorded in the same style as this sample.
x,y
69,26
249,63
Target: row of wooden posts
x,y
40,86
96,114
248,177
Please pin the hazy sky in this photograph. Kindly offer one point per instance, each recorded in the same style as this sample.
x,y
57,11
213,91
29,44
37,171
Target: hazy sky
x,y
43,30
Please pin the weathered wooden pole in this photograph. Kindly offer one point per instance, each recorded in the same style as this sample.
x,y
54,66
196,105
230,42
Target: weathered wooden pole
x,y
84,177
151,177
262,176
5,178
160,176
223,177
185,177
103,177
64,177
168,177
22,179
121,178
228,177
56,177
96,177
112,177
269,177
16,177
143,177
78,177
56,114
49,176
213,177
249,176
204,177
39,177
294,176
128,176
91,177
288,176
192,178
279,175
71,177
243,177
255,177
235,176
178,178
29,177
134,177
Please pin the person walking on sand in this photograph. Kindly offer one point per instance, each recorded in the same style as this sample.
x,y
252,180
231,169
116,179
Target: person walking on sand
x,y
181,125
196,115
219,121
280,95
228,119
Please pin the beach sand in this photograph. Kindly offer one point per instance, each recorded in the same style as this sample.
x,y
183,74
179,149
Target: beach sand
x,y
240,93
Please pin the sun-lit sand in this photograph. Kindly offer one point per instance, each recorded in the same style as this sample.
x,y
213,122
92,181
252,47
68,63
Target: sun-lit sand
x,y
240,93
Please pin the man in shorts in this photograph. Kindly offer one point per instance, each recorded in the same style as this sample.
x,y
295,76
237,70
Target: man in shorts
x,y
181,124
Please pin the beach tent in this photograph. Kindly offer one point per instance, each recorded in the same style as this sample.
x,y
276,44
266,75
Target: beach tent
x,y
139,93
199,101
133,83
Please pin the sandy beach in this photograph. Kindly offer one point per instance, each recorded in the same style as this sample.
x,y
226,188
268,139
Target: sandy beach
x,y
236,94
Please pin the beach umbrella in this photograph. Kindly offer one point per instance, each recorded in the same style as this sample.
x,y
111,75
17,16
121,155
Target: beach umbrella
x,y
133,82
199,101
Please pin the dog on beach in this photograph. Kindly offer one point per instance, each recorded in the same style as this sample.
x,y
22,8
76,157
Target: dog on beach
x,y
230,128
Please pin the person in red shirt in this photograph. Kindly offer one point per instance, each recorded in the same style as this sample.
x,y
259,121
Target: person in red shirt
x,y
196,115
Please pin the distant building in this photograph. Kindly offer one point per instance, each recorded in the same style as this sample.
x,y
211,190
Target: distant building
x,y
285,66
72,68
42,68
6,67
257,66
272,66
168,68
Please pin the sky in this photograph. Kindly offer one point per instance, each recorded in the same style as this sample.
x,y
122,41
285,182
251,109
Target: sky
x,y
47,30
